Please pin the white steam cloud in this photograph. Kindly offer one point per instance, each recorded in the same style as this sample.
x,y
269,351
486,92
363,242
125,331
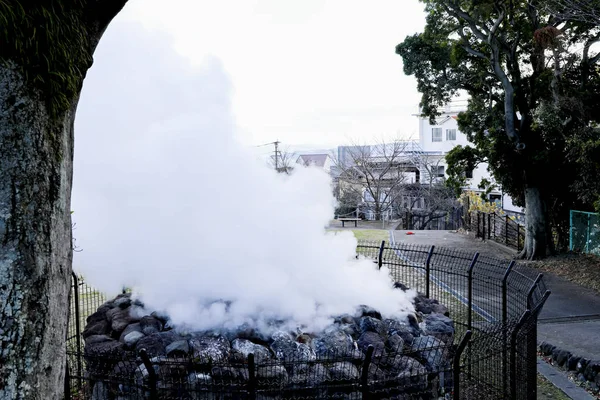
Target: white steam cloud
x,y
169,203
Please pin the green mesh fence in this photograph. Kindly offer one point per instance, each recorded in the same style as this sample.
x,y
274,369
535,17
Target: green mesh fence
x,y
585,232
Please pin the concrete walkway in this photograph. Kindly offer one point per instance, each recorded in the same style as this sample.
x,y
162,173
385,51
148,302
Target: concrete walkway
x,y
570,318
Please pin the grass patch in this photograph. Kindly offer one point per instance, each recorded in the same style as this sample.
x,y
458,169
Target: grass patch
x,y
547,391
368,234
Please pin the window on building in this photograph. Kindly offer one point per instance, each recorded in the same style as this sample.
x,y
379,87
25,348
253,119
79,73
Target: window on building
x,y
469,173
450,134
437,171
436,134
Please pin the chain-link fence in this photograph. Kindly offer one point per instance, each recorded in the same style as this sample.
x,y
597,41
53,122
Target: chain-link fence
x,y
494,306
584,234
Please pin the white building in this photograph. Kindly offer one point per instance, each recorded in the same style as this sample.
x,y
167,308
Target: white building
x,y
315,160
439,138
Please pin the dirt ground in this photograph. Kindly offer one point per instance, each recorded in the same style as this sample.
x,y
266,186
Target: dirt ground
x,y
583,269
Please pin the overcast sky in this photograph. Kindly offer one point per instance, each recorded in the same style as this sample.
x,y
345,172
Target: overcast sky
x,y
305,72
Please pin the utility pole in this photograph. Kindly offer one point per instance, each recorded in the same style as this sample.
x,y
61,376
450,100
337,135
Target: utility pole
x,y
276,143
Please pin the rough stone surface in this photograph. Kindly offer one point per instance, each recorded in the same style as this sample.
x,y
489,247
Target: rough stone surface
x,y
371,339
132,338
439,326
246,347
210,347
150,325
344,371
293,359
178,348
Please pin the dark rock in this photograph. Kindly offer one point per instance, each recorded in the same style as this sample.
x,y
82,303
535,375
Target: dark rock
x,y
246,347
429,306
100,391
286,349
351,329
132,338
413,324
150,325
333,342
370,324
439,326
395,343
375,373
401,286
591,370
120,319
272,374
546,348
156,343
135,327
572,362
560,357
582,364
178,348
371,339
93,339
318,374
344,319
225,374
413,376
210,347
431,350
366,311
198,380
100,327
122,301
99,315
395,327
110,348
343,371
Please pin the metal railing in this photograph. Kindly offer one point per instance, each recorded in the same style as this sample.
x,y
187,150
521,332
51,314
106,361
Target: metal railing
x,y
500,228
494,305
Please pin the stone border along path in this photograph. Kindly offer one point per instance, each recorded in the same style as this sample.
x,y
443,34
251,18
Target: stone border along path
x,y
569,317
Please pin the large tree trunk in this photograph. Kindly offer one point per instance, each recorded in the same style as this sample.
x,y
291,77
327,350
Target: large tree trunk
x,y
36,169
36,153
536,243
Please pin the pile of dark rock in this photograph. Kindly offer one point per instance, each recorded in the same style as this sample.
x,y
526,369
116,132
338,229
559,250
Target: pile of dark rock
x,y
128,356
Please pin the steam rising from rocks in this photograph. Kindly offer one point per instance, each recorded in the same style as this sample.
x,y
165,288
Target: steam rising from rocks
x,y
168,202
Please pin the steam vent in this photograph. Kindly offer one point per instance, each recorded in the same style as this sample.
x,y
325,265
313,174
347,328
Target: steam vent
x,y
130,355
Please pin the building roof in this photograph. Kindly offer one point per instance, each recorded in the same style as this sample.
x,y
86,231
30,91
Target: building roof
x,y
313,159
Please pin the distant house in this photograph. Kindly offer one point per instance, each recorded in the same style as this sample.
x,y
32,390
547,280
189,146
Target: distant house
x,y
315,160
443,135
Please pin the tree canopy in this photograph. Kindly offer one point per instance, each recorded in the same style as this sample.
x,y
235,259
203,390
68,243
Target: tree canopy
x,y
533,81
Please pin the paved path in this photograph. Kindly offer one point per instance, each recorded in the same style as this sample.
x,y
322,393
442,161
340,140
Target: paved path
x,y
570,318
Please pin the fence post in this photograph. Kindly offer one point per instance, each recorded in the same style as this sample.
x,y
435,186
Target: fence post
x,y
152,378
380,256
478,219
428,271
77,328
364,377
494,219
470,293
571,230
531,290
505,324
513,354
587,239
456,364
489,226
251,377
518,236
506,230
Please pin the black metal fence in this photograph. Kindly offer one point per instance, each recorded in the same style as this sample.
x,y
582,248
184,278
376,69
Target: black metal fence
x,y
500,228
492,354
